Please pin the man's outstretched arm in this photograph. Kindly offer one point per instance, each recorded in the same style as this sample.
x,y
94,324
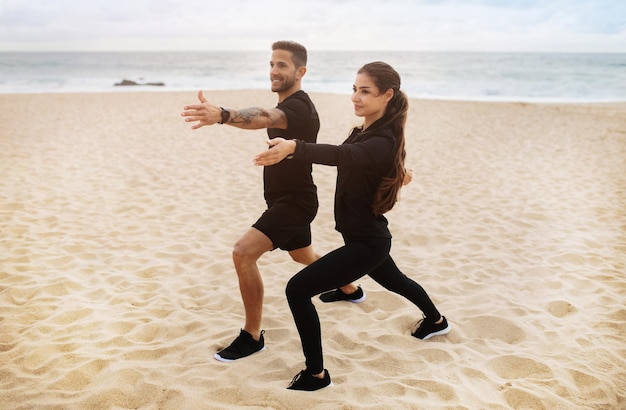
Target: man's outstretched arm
x,y
252,118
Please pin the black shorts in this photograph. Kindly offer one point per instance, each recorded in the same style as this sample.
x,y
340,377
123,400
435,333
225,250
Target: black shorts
x,y
287,222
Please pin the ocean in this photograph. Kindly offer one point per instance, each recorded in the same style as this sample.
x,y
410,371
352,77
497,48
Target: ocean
x,y
530,77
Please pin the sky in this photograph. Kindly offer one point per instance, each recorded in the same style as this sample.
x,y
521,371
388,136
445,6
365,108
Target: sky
x,y
423,25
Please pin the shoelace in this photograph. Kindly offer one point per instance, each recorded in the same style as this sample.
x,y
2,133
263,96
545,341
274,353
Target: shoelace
x,y
421,320
296,378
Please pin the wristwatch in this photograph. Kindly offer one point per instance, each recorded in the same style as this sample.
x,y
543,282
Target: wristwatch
x,y
225,116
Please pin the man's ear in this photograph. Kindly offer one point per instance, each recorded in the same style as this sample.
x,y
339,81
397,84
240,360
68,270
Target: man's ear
x,y
300,72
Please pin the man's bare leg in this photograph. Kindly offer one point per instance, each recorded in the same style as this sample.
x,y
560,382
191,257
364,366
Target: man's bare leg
x,y
349,289
248,249
246,252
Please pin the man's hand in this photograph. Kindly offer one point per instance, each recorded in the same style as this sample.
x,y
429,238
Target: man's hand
x,y
280,148
205,113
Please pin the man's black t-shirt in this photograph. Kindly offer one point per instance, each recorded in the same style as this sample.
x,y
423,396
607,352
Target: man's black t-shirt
x,y
293,177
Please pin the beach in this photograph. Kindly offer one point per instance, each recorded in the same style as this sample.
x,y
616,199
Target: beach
x,y
117,286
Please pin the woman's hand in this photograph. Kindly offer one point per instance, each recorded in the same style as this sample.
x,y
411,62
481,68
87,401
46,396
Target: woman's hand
x,y
408,176
280,148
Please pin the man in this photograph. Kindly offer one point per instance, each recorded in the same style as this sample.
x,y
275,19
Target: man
x,y
290,193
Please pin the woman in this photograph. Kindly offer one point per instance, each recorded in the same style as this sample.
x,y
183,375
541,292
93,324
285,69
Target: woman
x,y
370,173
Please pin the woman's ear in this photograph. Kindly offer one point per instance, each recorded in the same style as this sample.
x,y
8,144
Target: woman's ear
x,y
388,95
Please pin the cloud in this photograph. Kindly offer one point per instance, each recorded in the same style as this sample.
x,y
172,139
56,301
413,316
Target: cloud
x,y
481,25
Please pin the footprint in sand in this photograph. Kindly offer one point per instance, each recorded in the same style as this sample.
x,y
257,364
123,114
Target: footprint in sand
x,y
515,367
560,308
493,327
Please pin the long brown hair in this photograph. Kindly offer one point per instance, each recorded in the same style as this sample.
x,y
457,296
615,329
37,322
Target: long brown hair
x,y
385,77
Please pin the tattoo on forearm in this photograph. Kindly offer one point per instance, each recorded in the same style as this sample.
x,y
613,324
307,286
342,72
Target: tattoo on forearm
x,y
246,115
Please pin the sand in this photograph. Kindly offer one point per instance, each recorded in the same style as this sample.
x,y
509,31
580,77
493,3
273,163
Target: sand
x,y
117,286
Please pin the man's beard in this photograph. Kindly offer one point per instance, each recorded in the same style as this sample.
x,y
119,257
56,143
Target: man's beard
x,y
289,82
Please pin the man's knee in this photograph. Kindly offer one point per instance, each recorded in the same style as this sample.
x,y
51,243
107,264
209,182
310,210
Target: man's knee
x,y
243,253
250,247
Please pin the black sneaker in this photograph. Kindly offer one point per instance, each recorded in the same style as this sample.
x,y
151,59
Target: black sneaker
x,y
428,329
338,295
307,382
244,345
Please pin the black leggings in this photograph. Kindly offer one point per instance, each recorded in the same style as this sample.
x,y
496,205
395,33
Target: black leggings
x,y
339,267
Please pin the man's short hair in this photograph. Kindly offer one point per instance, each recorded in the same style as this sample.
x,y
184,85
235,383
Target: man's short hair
x,y
297,50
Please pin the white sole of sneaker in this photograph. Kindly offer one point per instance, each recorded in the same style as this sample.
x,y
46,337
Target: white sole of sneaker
x,y
439,333
219,358
359,300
